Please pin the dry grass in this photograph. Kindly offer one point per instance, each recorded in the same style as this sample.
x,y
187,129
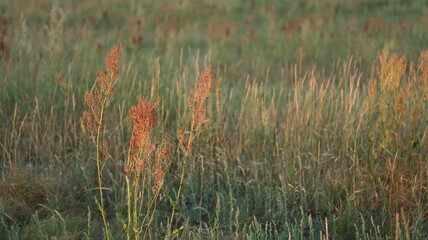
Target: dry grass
x,y
317,127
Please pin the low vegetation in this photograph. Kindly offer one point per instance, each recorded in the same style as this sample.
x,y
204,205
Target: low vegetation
x,y
214,119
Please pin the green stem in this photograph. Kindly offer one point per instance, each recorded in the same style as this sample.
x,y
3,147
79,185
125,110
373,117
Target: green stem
x,y
128,198
135,212
186,156
99,170
154,204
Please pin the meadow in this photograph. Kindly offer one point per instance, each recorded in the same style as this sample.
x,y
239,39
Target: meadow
x,y
214,119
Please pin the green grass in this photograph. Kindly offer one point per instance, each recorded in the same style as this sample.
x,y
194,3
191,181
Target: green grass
x,y
294,148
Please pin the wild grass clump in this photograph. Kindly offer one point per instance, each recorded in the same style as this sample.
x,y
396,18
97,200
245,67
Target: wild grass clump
x,y
324,137
395,106
145,169
147,160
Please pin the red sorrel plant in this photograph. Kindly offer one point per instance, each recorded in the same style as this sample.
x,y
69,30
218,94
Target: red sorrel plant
x,y
144,169
147,159
203,89
97,100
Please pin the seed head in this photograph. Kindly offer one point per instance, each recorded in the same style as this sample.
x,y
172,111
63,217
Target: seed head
x,y
163,155
90,123
103,91
112,62
144,117
198,96
89,99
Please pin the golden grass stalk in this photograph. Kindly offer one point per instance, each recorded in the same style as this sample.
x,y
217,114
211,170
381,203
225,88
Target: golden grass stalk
x,y
423,69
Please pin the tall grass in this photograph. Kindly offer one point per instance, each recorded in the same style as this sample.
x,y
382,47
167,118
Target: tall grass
x,y
317,123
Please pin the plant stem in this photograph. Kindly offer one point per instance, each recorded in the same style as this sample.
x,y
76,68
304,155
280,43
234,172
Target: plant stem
x,y
128,198
185,158
99,170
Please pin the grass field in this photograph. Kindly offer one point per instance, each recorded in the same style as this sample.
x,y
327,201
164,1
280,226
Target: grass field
x,y
212,119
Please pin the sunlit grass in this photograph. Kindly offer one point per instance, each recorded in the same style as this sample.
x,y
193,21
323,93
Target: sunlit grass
x,y
315,127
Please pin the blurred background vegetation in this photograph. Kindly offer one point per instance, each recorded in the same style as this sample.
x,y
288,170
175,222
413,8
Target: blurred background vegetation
x,y
303,141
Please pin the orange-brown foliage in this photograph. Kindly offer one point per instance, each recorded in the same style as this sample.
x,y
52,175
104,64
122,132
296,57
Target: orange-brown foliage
x,y
144,117
198,96
103,91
